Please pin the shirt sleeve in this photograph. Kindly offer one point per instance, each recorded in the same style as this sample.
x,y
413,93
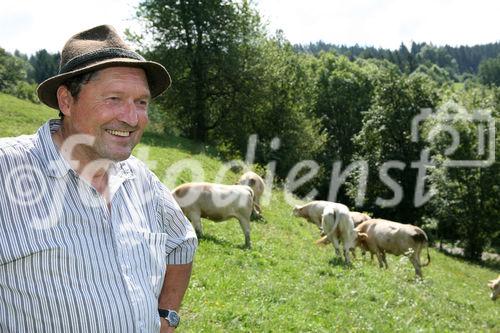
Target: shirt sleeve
x,y
182,242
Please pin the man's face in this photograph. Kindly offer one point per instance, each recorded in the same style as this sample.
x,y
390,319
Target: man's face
x,y
112,108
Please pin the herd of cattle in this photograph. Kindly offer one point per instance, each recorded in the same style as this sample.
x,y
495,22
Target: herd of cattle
x,y
337,223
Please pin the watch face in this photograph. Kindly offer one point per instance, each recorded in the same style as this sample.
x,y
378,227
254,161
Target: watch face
x,y
173,318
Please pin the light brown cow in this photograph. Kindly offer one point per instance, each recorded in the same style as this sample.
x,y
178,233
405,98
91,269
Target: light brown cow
x,y
338,226
216,202
253,180
358,217
313,210
382,236
495,288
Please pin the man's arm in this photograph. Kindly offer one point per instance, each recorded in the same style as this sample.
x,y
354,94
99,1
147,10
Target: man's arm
x,y
174,287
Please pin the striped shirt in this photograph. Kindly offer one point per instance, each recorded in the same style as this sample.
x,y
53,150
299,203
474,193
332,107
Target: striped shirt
x,y
68,263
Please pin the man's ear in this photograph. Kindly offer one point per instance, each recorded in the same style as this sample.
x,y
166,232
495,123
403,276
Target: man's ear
x,y
64,99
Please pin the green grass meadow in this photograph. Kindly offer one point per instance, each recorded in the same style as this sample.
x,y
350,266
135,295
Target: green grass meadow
x,y
286,283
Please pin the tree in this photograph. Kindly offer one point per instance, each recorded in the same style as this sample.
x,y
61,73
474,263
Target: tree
x,y
14,76
436,73
489,71
276,101
344,91
12,70
386,136
467,199
439,56
205,46
44,65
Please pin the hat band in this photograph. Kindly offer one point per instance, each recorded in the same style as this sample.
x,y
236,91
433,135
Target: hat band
x,y
94,56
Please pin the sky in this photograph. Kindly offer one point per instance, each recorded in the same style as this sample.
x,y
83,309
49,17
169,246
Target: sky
x,y
31,25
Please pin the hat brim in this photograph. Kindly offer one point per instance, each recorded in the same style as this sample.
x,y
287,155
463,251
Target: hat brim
x,y
158,78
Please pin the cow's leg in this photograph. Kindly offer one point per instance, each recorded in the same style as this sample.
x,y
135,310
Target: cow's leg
x,y
335,242
257,205
195,219
384,259
414,258
245,226
346,254
363,253
380,259
353,251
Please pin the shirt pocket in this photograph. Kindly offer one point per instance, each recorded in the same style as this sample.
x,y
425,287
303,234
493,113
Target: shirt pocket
x,y
155,245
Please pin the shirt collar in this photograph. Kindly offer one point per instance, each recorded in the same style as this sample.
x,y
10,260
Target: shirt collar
x,y
121,169
55,164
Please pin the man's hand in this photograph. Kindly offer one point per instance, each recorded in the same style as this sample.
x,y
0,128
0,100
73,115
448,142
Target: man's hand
x,y
165,327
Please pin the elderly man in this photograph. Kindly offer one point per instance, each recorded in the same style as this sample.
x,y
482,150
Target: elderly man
x,y
90,239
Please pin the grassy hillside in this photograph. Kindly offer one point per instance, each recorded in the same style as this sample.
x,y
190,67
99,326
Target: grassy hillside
x,y
288,284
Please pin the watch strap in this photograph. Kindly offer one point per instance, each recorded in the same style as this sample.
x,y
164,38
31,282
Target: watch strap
x,y
163,313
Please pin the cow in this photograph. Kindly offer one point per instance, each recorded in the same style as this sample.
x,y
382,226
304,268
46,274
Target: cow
x,y
253,180
313,210
337,224
216,202
382,236
495,288
358,218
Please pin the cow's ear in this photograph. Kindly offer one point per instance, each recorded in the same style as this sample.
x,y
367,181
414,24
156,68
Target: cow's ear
x,y
362,236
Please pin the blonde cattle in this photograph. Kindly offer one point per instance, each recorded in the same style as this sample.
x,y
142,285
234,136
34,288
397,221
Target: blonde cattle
x,y
359,218
216,202
495,288
382,236
313,210
338,226
253,180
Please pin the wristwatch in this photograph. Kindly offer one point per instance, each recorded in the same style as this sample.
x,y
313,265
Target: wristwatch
x,y
171,316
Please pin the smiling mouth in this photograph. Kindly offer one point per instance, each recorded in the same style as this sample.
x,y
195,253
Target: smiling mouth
x,y
118,133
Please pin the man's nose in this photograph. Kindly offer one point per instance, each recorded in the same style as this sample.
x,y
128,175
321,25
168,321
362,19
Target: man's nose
x,y
129,114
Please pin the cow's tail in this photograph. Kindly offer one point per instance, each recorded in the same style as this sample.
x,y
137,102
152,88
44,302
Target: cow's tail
x,y
421,237
323,241
333,221
252,195
428,256
255,207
